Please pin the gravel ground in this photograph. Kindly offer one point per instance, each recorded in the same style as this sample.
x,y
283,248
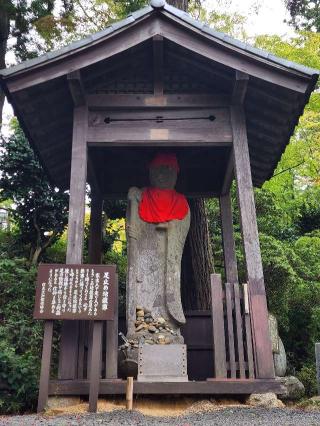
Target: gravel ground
x,y
226,417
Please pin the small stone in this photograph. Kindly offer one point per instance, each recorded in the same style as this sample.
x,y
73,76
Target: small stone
x,y
140,313
146,311
160,328
149,342
167,340
148,320
139,308
265,400
157,331
140,319
152,328
294,389
140,327
161,320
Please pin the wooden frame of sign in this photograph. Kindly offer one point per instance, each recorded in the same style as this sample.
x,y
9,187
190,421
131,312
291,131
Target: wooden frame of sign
x,y
75,292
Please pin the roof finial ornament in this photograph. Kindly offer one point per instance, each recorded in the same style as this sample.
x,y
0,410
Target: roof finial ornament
x,y
157,4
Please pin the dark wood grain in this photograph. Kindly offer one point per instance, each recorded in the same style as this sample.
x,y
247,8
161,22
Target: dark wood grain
x,y
101,101
76,88
257,296
158,65
45,366
213,386
247,323
219,345
239,330
231,342
95,367
70,329
229,251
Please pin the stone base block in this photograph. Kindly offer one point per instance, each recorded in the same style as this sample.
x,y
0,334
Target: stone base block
x,y
162,363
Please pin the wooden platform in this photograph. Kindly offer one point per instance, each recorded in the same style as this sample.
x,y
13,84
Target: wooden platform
x,y
211,386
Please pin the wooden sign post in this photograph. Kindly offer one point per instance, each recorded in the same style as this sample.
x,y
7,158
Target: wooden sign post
x,y
74,292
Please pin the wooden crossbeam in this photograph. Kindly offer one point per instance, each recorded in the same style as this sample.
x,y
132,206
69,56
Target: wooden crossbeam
x,y
76,88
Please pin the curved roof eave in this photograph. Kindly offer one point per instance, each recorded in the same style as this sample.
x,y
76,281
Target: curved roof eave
x,y
143,13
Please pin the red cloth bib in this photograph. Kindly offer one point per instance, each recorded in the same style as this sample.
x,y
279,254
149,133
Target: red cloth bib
x,y
161,205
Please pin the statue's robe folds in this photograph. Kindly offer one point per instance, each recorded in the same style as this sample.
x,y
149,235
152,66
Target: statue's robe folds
x,y
154,267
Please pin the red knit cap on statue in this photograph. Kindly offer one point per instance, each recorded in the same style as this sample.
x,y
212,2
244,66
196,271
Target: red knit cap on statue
x,y
165,160
162,205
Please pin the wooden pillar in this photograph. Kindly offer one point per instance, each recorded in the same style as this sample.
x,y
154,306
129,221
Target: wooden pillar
x,y
68,360
95,254
257,295
229,251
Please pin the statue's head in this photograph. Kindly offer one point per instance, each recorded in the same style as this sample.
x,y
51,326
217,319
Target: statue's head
x,y
163,171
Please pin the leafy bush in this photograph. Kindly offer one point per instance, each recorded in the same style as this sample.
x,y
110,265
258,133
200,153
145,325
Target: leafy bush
x,y
20,337
307,375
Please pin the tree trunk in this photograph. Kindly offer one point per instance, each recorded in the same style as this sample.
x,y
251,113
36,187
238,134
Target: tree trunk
x,y
4,34
180,4
197,260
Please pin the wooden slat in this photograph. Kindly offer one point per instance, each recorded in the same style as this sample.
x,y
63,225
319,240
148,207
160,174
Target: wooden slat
x,y
229,251
214,386
95,237
158,65
228,176
45,366
231,342
68,357
101,101
219,345
238,317
257,295
95,368
81,349
112,338
248,333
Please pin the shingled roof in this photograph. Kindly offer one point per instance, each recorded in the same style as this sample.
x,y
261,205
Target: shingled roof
x,y
199,59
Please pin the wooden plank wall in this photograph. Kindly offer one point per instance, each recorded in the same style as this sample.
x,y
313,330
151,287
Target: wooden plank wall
x,y
232,339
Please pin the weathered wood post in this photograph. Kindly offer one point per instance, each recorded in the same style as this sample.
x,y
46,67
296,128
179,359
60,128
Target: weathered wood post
x,y
68,360
229,252
317,351
257,295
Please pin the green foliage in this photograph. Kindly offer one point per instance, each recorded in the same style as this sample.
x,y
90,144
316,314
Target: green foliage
x,y
305,14
20,337
307,375
40,210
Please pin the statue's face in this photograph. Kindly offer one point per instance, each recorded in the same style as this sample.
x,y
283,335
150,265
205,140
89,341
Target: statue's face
x,y
163,177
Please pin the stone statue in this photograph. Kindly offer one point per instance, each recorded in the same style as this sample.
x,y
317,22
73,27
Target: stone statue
x,y
158,220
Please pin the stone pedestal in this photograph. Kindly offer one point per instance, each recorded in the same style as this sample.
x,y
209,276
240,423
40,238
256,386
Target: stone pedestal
x,y
162,363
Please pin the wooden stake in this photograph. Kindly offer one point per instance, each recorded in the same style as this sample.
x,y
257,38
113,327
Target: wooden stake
x,y
45,366
129,393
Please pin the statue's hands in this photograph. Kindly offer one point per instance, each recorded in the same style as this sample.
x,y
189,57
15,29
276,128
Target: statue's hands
x,y
163,226
132,231
134,194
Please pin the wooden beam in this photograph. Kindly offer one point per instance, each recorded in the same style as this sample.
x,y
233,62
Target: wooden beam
x,y
76,88
240,87
144,101
229,250
257,295
68,358
158,65
228,177
112,329
215,386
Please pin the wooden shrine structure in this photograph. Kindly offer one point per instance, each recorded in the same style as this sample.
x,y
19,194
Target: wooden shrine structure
x,y
97,110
